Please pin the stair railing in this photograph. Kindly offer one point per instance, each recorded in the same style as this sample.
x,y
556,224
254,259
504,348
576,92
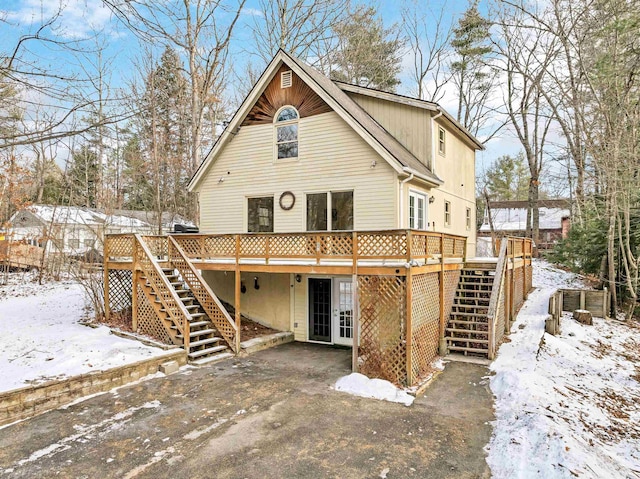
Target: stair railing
x,y
208,300
163,289
496,296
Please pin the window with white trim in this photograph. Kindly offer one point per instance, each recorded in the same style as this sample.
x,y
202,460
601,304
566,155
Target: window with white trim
x,y
442,141
447,213
468,219
417,210
260,214
286,122
340,203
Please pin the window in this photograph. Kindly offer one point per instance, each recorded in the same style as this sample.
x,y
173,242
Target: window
x,y
340,203
441,140
468,218
260,215
74,243
417,210
286,79
447,213
89,243
287,133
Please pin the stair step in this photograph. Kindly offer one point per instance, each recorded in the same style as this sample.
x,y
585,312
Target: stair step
x,y
467,331
194,334
465,323
198,315
471,315
202,342
197,324
467,349
212,359
468,340
203,352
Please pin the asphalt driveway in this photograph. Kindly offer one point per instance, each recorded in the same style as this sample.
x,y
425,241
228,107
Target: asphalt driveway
x,y
272,414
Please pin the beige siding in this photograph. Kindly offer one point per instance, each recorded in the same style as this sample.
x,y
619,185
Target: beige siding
x,y
331,157
411,126
300,307
268,305
457,169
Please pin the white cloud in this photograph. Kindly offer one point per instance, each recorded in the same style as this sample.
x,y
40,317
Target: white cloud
x,y
77,18
254,12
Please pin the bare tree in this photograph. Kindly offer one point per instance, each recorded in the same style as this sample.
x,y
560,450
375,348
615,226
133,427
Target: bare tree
x,y
201,31
299,27
428,37
525,55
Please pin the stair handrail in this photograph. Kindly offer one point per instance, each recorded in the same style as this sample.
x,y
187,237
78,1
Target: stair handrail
x,y
167,295
495,296
203,292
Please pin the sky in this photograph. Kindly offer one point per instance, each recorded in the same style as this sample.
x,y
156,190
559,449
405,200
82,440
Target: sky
x,y
80,18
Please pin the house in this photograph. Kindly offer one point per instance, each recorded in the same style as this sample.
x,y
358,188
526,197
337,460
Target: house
x,y
70,230
342,214
510,218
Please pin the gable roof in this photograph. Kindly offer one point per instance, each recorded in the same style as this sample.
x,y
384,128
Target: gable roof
x,y
388,147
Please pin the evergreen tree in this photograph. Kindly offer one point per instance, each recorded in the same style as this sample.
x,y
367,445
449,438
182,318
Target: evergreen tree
x,y
83,177
367,54
508,178
472,74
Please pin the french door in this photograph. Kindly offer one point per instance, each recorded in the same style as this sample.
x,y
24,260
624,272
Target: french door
x,y
331,310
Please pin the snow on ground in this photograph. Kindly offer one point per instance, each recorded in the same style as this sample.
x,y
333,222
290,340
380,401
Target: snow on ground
x,y
360,385
566,405
42,339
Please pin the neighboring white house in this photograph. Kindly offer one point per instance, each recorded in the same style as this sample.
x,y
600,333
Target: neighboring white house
x,y
70,229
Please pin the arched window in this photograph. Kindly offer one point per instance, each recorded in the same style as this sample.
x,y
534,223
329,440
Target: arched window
x,y
287,132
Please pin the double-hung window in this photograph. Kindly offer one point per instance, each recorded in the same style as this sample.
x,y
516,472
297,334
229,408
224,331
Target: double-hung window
x,y
447,213
286,122
442,141
340,203
417,210
260,215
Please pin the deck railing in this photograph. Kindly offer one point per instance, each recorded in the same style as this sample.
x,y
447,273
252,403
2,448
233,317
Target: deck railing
x,y
400,245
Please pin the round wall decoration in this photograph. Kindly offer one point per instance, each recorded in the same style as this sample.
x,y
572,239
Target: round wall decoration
x,y
287,200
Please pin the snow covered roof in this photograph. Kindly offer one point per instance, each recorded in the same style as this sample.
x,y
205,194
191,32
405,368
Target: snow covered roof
x,y
74,215
515,219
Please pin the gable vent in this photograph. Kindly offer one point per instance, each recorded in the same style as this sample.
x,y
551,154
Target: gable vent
x,y
286,79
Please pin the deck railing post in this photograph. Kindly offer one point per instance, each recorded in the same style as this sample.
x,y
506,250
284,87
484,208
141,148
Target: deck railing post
x,y
238,285
355,306
135,274
409,300
442,346
107,310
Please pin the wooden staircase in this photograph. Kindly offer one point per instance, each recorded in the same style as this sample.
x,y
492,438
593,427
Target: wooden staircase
x,y
186,308
205,344
468,329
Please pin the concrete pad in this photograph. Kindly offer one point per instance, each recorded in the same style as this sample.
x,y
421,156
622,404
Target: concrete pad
x,y
271,414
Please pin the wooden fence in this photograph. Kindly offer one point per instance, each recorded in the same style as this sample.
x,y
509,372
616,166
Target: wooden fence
x,y
595,301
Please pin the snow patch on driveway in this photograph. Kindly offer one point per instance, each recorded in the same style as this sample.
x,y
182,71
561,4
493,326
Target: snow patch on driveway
x,y
360,385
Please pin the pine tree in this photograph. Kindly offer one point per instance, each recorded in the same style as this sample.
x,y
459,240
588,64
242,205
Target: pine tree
x,y
471,71
508,178
367,54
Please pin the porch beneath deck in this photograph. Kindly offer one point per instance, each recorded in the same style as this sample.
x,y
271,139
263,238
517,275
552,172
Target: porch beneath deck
x,y
397,288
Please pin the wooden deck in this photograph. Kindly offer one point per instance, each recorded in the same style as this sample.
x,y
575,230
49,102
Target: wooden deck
x,y
339,253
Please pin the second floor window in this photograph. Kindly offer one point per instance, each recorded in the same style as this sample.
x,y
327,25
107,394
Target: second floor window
x,y
447,213
287,133
442,141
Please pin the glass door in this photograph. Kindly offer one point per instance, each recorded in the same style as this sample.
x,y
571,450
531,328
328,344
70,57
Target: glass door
x,y
320,309
343,311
